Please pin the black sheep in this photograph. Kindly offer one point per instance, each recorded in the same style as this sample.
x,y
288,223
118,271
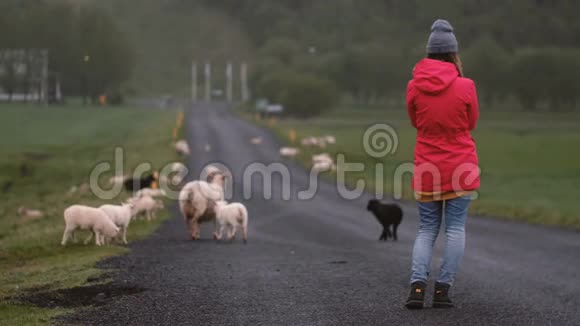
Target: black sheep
x,y
142,183
386,214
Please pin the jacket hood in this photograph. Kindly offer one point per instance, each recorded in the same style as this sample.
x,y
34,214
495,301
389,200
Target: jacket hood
x,y
434,76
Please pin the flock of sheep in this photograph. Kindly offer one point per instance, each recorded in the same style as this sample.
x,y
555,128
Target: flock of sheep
x,y
320,162
108,222
200,201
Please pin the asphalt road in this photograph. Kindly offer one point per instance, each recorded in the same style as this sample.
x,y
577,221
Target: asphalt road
x,y
318,262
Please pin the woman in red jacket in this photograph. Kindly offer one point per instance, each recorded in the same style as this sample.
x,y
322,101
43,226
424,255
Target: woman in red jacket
x,y
443,107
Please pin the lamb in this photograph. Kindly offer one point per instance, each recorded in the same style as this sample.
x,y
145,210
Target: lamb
x,y
146,205
30,214
178,167
324,157
150,193
182,147
309,141
180,171
118,179
231,216
121,216
386,214
324,166
330,140
81,189
323,162
88,218
256,140
289,151
197,201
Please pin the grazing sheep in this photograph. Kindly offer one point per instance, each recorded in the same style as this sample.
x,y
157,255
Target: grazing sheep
x,y
330,140
386,214
256,141
132,184
231,216
145,205
309,141
197,201
323,162
182,147
324,166
88,218
180,172
30,214
150,193
289,151
81,189
178,167
121,216
324,157
118,179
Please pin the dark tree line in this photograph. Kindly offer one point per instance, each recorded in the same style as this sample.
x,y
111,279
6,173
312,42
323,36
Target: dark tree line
x,y
522,49
87,52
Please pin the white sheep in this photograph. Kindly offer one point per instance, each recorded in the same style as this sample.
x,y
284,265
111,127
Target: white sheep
x,y
289,151
324,157
256,140
324,166
330,139
147,205
231,216
182,147
88,218
30,214
117,180
121,216
148,192
179,171
309,141
323,162
178,167
81,189
321,142
197,200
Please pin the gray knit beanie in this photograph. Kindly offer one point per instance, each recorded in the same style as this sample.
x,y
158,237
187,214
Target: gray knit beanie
x,y
442,39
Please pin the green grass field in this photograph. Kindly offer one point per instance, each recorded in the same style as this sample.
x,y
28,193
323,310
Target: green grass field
x,y
530,162
59,146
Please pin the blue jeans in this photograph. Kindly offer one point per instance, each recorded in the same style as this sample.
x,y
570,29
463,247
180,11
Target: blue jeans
x,y
431,214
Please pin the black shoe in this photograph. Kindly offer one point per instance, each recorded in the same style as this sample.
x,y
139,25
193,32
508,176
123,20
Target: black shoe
x,y
417,296
441,296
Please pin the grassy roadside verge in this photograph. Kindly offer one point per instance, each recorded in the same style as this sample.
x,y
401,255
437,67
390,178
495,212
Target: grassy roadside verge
x,y
530,170
58,147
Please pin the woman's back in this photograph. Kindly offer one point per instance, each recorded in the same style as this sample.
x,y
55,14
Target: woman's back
x,y
443,107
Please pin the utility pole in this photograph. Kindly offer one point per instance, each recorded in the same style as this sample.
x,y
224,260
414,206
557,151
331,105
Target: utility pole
x,y
244,81
208,82
44,84
229,82
193,82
